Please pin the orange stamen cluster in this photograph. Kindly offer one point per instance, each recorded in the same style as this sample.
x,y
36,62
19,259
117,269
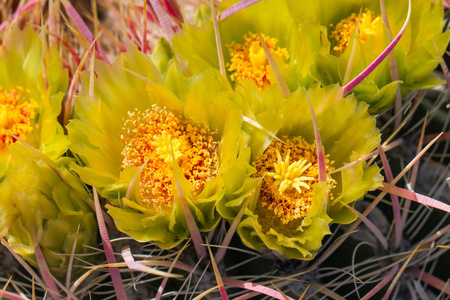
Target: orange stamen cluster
x,y
290,170
16,115
152,135
368,23
249,61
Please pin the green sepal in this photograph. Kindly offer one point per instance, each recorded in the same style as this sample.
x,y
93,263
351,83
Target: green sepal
x,y
240,185
325,69
378,99
168,66
423,61
145,227
44,205
356,181
263,108
161,55
202,15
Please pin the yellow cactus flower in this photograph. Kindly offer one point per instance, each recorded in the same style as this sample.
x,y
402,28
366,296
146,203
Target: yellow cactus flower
x,y
190,122
292,210
29,101
417,54
249,61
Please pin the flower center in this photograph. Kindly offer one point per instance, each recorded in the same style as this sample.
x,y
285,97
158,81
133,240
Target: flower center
x,y
368,24
286,190
164,145
16,115
152,135
249,61
288,176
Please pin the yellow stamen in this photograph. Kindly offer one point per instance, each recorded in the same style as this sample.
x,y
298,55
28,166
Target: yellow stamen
x,y
16,115
368,25
285,192
249,61
151,136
